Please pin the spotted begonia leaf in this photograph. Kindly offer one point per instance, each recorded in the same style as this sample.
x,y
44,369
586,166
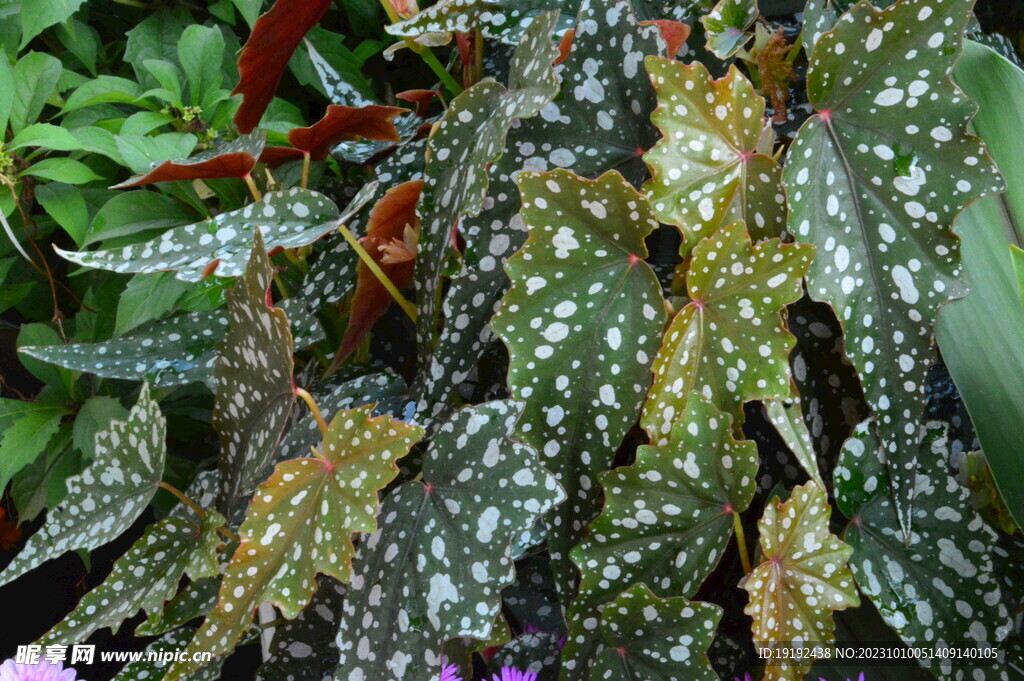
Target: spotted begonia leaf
x,y
220,246
819,16
943,586
501,19
830,393
435,569
392,233
163,650
713,164
729,343
145,577
666,521
656,639
802,579
575,130
236,158
108,496
788,419
338,89
265,55
875,179
304,648
166,353
582,321
193,601
668,517
300,525
467,139
253,382
726,26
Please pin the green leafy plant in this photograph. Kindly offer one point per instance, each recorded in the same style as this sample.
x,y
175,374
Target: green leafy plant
x,y
514,339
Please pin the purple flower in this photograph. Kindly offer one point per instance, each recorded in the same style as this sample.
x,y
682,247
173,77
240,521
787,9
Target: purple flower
x,y
41,671
513,674
746,677
449,672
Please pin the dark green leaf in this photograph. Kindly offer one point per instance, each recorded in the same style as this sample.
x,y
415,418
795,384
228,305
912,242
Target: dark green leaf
x,y
875,179
656,639
436,567
582,322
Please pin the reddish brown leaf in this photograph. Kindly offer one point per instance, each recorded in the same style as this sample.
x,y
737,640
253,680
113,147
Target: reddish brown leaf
x,y
674,33
776,73
387,225
421,98
236,158
267,51
340,123
10,533
565,45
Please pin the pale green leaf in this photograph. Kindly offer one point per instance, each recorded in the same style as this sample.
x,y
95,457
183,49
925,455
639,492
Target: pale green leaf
x,y
713,164
300,524
728,343
802,579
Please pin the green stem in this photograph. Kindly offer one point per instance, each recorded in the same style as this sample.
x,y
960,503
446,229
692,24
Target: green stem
x,y
370,263
741,541
311,403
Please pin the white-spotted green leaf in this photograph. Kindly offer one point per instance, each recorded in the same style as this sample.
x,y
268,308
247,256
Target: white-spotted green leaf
x,y
666,521
944,586
726,26
802,579
582,322
193,601
304,648
108,496
728,343
220,245
820,16
647,638
788,419
145,577
713,164
577,131
166,353
164,649
253,382
502,19
469,137
435,569
668,517
875,179
300,524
